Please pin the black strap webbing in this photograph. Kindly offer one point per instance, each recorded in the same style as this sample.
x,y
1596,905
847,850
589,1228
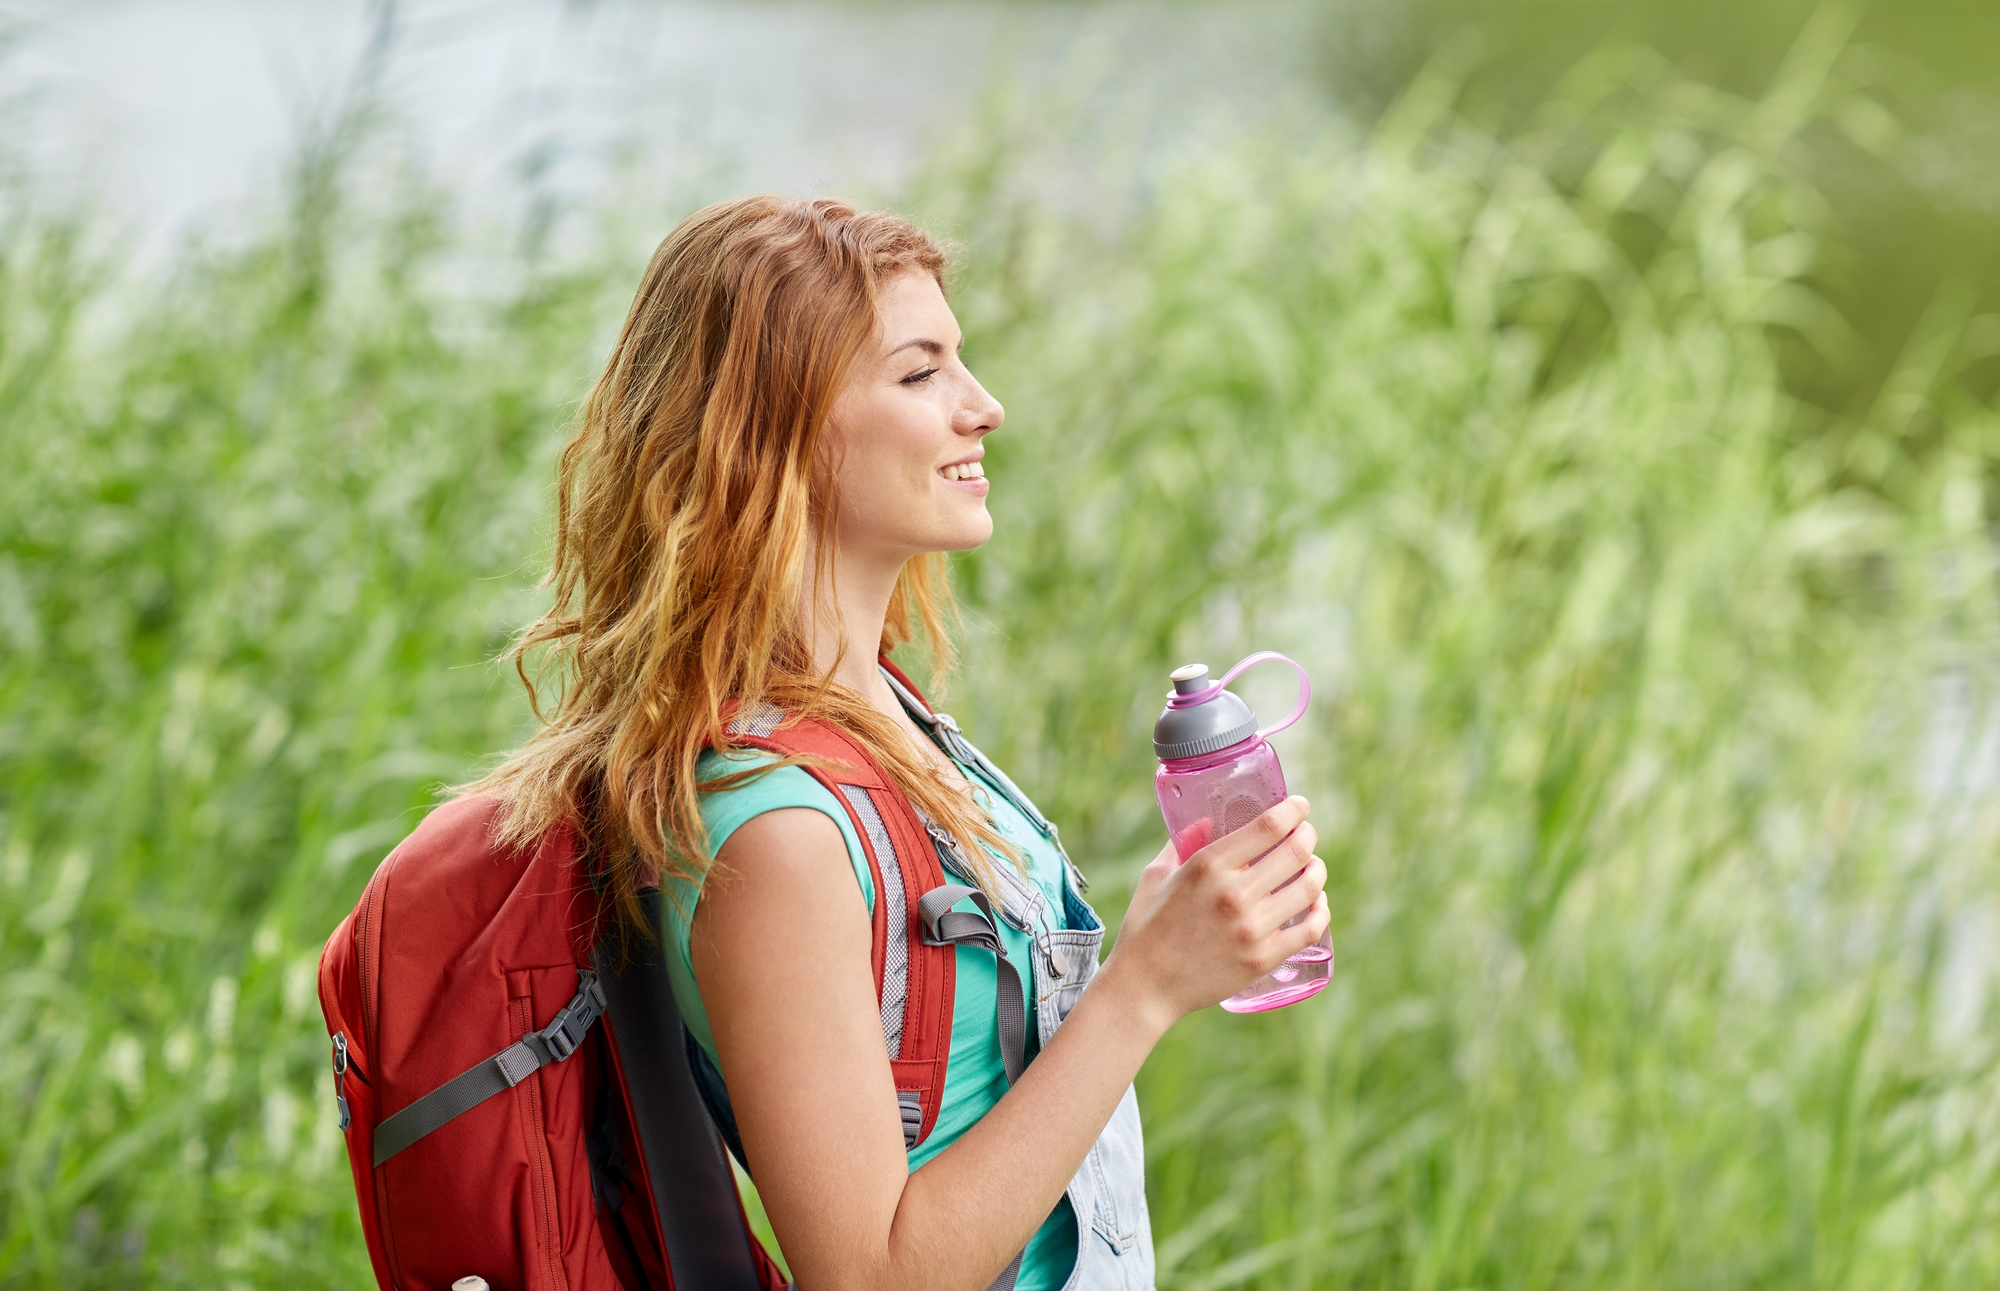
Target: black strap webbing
x,y
504,1070
694,1193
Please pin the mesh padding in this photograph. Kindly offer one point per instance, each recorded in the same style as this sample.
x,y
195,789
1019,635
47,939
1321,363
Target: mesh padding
x,y
759,721
896,955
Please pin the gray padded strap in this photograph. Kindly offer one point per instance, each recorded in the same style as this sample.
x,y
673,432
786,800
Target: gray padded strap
x,y
896,952
944,926
759,721
504,1070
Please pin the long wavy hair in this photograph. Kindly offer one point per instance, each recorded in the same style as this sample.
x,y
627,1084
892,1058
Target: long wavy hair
x,y
690,501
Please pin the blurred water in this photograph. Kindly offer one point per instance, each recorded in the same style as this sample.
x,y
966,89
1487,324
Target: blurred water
x,y
183,112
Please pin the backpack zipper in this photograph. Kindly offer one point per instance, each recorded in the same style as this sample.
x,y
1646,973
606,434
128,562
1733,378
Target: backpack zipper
x,y
532,1114
340,1079
366,930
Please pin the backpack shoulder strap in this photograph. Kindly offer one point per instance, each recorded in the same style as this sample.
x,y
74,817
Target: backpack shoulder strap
x,y
681,1165
915,981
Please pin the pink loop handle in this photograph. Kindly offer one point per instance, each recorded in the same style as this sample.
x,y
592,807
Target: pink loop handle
x,y
1305,687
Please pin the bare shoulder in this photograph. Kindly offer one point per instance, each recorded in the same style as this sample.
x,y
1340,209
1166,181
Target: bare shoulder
x,y
786,868
784,893
784,846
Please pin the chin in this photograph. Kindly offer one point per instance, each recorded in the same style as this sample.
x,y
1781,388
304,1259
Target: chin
x,y
962,537
980,534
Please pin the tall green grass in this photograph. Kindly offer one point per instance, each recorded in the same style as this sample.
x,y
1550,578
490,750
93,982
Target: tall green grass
x,y
1652,705
1663,902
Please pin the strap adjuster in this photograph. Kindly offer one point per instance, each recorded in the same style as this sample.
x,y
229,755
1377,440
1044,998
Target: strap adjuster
x,y
558,1040
566,1030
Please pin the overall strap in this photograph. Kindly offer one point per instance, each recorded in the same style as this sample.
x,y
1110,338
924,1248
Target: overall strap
x,y
944,732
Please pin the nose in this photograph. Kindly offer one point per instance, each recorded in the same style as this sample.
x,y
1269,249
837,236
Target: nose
x,y
980,413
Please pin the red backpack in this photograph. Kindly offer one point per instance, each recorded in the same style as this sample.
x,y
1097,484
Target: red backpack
x,y
520,1099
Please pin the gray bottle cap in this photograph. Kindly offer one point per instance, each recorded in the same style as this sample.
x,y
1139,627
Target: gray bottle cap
x,y
1215,723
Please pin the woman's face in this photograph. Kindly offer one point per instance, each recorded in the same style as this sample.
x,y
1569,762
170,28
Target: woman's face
x,y
907,434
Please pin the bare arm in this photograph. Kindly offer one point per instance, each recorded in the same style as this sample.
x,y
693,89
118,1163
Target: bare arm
x,y
780,947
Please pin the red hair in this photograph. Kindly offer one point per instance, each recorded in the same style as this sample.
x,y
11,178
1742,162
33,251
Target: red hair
x,y
686,504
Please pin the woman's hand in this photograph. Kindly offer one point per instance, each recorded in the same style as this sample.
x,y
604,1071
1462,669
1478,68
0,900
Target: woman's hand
x,y
1199,931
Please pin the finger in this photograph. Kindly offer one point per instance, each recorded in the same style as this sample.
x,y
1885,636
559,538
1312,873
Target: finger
x,y
1295,895
1258,838
1287,942
1297,892
1280,866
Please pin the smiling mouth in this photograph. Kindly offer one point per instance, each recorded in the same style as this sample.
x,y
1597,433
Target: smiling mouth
x,y
963,471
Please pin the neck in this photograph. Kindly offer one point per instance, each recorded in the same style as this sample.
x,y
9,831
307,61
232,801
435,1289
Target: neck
x,y
854,603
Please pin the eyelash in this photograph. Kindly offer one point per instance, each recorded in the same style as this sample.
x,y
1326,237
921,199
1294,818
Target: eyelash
x,y
918,378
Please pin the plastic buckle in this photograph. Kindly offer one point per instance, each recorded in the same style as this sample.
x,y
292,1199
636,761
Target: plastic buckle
x,y
566,1031
557,1038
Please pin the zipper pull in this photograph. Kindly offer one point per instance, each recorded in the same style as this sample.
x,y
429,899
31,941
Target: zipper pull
x,y
340,1079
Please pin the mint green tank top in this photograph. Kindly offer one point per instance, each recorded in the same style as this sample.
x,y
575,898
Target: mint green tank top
x,y
976,1076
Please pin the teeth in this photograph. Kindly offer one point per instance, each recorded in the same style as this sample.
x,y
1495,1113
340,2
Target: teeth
x,y
964,471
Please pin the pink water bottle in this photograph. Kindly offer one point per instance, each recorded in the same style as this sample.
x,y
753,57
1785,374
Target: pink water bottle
x,y
1217,775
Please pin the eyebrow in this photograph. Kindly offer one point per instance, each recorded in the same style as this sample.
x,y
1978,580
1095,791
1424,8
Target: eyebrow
x,y
928,346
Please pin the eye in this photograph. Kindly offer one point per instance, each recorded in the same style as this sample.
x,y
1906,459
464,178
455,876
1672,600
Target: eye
x,y
919,378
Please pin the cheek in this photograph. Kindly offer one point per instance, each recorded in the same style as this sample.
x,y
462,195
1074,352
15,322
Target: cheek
x,y
872,480
891,452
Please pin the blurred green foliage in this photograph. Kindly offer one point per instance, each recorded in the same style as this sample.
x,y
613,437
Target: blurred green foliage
x,y
1653,757
1907,174
1663,892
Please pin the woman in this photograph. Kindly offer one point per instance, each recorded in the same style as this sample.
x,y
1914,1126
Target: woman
x,y
758,500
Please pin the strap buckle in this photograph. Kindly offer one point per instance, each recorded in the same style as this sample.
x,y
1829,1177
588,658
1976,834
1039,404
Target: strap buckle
x,y
566,1030
944,926
504,1070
